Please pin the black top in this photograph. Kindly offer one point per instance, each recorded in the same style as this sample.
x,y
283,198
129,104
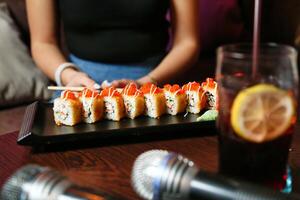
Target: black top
x,y
115,31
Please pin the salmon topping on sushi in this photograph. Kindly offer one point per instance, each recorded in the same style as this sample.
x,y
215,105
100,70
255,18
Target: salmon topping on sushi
x,y
192,86
150,88
209,83
110,92
174,89
131,90
88,93
67,94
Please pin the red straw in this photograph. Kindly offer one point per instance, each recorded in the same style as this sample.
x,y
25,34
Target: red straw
x,y
256,37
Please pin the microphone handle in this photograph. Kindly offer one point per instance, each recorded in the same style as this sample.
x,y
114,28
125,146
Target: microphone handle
x,y
75,192
208,186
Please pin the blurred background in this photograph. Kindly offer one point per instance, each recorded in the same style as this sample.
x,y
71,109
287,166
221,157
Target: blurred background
x,y
221,22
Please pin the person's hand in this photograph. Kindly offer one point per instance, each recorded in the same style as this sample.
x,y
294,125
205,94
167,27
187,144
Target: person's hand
x,y
146,79
122,83
71,77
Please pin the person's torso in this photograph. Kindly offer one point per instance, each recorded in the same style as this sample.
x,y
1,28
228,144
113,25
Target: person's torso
x,y
115,30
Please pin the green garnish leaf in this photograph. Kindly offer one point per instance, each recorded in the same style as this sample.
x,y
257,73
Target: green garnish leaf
x,y
209,115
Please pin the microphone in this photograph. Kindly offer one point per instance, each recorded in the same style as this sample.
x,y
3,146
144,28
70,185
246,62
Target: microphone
x,y
163,175
33,182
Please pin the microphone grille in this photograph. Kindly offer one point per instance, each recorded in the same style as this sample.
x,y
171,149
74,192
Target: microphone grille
x,y
12,189
145,170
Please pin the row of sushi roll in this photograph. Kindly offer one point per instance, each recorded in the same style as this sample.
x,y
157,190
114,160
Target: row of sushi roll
x,y
91,106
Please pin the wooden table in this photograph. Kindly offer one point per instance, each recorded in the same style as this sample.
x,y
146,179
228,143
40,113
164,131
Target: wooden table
x,y
108,168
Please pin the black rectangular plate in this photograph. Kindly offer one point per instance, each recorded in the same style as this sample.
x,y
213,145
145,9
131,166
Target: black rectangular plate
x,y
39,128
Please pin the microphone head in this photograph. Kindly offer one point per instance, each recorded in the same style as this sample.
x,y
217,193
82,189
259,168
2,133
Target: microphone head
x,y
158,172
143,171
12,189
34,182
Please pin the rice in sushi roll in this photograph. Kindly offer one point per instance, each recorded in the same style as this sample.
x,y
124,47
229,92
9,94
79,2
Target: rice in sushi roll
x,y
67,109
154,99
133,100
175,99
92,104
210,89
113,104
195,96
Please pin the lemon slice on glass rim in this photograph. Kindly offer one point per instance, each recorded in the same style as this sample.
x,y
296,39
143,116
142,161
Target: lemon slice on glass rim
x,y
262,113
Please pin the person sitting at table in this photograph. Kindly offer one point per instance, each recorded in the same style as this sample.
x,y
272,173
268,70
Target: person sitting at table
x,y
119,41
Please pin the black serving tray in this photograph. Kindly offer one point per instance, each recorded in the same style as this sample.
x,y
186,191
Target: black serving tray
x,y
39,128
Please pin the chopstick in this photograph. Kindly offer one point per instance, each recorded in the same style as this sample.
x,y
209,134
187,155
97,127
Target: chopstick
x,y
71,88
75,89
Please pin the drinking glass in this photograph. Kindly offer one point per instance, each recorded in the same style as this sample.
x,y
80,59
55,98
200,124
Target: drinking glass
x,y
257,111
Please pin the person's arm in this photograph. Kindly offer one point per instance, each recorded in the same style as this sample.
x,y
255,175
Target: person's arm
x,y
44,28
185,48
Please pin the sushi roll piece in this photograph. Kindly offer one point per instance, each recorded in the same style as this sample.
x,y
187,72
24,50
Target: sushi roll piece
x,y
92,106
113,104
67,109
155,100
195,96
176,101
133,100
210,89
